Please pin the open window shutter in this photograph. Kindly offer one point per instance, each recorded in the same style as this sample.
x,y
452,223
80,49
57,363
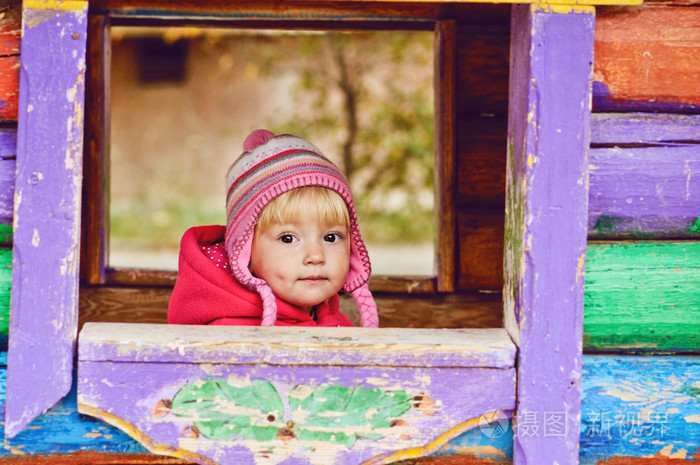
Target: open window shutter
x,y
44,296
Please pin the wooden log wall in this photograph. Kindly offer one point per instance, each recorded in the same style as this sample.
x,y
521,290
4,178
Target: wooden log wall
x,y
643,254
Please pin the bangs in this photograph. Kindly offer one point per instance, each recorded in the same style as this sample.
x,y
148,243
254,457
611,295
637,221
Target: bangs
x,y
301,202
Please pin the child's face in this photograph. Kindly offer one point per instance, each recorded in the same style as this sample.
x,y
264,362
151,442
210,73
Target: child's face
x,y
304,262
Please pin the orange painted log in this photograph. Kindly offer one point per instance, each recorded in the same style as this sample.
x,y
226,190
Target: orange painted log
x,y
10,32
646,58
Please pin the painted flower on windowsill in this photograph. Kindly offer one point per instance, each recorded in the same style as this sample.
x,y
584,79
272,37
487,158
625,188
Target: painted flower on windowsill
x,y
255,411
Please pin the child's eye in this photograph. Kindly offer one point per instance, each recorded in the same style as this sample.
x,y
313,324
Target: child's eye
x,y
287,238
332,237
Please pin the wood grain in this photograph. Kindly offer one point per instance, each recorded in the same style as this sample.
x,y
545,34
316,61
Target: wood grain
x,y
153,343
95,217
396,310
8,165
445,74
646,59
643,169
482,69
481,249
94,458
633,409
10,33
44,296
640,410
5,289
348,11
481,165
545,227
643,296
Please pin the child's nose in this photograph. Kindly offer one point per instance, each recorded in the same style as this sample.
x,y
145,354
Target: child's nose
x,y
314,254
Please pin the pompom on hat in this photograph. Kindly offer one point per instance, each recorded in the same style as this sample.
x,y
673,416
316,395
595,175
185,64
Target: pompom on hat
x,y
270,166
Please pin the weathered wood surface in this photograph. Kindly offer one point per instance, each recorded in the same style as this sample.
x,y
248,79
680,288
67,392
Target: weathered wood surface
x,y
149,402
546,212
646,59
62,436
490,348
445,88
150,304
8,162
94,223
300,9
481,249
5,288
61,431
644,129
643,170
640,410
324,396
10,32
44,296
643,296
482,69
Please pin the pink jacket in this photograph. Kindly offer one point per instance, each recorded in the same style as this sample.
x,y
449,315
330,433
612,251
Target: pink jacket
x,y
208,294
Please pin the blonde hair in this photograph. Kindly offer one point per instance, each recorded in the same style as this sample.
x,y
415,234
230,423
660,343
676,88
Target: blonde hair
x,y
301,201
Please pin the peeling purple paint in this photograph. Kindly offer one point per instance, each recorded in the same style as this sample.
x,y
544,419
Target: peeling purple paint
x,y
549,133
44,298
132,396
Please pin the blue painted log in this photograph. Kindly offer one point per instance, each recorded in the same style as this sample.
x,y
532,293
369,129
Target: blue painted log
x,y
639,407
44,300
62,430
546,210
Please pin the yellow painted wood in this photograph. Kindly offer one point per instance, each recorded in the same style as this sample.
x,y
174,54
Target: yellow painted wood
x,y
534,2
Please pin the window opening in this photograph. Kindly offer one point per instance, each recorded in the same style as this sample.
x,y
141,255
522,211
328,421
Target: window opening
x,y
184,98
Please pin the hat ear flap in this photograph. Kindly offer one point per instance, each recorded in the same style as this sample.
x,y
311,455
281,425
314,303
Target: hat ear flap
x,y
368,308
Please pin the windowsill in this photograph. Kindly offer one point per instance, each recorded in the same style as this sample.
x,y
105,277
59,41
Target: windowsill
x,y
463,348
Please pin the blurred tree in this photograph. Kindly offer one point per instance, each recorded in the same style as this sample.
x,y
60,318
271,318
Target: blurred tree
x,y
373,90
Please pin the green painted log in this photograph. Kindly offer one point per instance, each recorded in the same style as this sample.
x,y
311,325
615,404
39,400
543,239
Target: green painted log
x,y
643,296
5,283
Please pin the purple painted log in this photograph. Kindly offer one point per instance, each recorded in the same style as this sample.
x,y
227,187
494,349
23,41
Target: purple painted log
x,y
546,212
642,176
8,155
644,128
44,297
187,391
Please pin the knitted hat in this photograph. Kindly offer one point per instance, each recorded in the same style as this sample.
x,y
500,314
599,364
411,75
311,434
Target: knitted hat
x,y
270,166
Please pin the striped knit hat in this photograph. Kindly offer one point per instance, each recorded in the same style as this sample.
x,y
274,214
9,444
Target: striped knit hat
x,y
270,166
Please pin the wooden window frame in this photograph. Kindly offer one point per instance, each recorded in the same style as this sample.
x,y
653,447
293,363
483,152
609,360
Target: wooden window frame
x,y
95,269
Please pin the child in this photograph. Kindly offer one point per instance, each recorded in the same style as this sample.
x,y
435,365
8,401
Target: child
x,y
290,244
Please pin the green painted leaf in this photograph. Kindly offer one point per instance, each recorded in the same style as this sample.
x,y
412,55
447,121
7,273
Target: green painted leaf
x,y
341,414
328,413
221,411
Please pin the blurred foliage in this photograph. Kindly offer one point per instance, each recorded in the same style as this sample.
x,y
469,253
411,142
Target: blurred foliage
x,y
365,98
383,115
